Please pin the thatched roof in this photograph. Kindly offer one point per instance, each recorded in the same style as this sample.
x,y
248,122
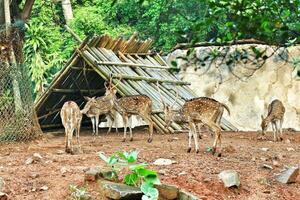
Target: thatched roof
x,y
102,56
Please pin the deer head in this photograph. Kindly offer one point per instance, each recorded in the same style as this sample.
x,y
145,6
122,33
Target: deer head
x,y
169,111
264,124
110,89
91,101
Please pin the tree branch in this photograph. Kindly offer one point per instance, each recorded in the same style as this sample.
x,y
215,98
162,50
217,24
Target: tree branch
x,y
27,9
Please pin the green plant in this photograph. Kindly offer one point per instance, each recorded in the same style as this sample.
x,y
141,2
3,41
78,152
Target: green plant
x,y
139,175
79,193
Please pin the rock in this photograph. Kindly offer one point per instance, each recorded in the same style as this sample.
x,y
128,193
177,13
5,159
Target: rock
x,y
60,152
37,157
63,171
163,161
173,139
167,192
2,184
44,188
3,196
34,175
162,172
182,173
108,174
29,161
287,141
184,195
288,175
265,149
290,149
119,191
230,178
267,166
92,174
275,163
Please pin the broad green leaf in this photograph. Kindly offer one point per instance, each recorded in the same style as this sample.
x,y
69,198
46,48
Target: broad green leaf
x,y
131,179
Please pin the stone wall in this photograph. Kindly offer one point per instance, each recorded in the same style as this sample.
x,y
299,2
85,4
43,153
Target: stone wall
x,y
246,78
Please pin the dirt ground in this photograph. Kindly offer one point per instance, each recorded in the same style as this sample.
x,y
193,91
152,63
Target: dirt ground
x,y
197,173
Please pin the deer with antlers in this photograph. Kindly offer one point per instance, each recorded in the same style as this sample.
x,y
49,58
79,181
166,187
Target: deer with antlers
x,y
275,115
128,106
198,111
71,117
95,107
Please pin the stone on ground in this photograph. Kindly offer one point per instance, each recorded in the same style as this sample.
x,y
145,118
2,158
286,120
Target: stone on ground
x,y
37,157
288,175
92,174
184,195
120,191
167,192
230,178
163,161
29,161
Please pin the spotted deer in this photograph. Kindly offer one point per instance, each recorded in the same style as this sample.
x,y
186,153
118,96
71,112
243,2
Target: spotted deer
x,y
275,115
95,107
128,106
198,111
71,117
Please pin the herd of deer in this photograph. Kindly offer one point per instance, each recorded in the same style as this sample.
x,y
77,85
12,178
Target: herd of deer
x,y
197,112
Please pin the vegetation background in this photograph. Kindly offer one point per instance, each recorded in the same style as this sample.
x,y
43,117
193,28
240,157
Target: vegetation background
x,y
48,45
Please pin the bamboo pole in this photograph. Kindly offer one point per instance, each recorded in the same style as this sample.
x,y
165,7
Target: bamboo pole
x,y
75,90
132,65
73,34
149,79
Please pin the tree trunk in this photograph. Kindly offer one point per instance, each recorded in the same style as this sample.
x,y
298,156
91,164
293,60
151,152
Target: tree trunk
x,y
67,10
12,59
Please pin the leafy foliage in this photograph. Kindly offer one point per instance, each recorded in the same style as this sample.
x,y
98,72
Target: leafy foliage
x,y
166,22
139,175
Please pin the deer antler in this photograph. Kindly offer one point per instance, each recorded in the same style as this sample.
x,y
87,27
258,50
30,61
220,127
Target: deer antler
x,y
161,98
115,85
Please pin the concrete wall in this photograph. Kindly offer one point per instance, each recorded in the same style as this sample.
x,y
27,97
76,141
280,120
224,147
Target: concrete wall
x,y
248,85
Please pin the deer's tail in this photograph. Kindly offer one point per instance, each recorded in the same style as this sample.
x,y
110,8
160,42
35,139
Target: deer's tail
x,y
226,107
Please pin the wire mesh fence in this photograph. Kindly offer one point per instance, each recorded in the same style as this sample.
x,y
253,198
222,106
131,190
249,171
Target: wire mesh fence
x,y
18,121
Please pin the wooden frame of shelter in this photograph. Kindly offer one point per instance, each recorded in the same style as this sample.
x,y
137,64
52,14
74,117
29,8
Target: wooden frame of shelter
x,y
100,57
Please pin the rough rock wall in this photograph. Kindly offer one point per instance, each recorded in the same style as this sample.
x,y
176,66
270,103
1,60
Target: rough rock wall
x,y
246,78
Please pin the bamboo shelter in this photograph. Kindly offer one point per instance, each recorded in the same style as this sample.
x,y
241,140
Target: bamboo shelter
x,y
130,61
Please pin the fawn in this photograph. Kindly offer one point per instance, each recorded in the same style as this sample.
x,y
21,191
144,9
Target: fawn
x,y
275,115
71,117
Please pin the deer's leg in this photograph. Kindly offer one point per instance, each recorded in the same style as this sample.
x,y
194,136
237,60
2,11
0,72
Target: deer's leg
x,y
66,140
274,127
199,125
217,130
110,125
116,123
190,137
280,127
194,132
97,123
93,124
130,127
148,119
125,122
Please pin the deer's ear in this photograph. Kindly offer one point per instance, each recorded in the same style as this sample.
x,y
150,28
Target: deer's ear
x,y
87,98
